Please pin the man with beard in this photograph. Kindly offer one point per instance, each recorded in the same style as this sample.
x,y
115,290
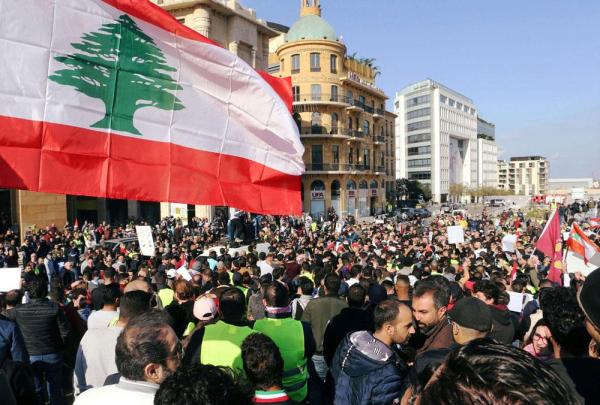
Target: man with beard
x,y
429,305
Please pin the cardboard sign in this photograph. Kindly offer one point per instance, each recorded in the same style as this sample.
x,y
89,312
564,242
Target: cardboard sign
x,y
184,273
575,263
509,242
338,227
263,247
456,234
144,234
10,279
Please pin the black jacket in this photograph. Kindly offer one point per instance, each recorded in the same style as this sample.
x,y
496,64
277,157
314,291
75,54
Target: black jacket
x,y
349,320
504,325
43,325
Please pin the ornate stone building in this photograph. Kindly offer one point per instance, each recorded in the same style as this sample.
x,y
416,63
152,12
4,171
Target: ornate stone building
x,y
340,112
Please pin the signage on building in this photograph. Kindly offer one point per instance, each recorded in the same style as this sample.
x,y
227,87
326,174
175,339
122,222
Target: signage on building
x,y
317,195
373,192
351,193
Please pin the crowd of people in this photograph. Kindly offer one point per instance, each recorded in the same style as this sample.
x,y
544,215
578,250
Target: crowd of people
x,y
332,312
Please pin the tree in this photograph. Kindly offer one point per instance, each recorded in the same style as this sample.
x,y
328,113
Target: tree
x,y
412,189
456,190
123,67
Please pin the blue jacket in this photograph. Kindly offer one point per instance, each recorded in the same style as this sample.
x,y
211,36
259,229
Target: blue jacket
x,y
366,371
12,345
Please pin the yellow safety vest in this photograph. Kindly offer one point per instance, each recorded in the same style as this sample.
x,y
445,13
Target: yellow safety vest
x,y
288,335
166,296
222,345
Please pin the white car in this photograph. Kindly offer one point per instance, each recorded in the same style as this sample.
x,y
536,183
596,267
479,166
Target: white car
x,y
498,202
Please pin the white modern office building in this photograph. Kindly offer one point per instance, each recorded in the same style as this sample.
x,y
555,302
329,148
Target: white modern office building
x,y
436,137
487,154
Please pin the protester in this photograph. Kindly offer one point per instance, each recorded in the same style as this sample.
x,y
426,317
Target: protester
x,y
318,312
110,302
264,367
365,368
147,352
429,306
539,344
504,328
590,305
486,372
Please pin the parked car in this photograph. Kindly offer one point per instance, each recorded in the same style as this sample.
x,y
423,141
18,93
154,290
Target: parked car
x,y
498,202
423,212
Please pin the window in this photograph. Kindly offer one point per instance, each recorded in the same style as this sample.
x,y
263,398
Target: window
x,y
451,102
317,157
422,112
418,125
296,93
411,102
315,92
350,155
361,101
315,123
419,176
334,93
367,158
315,62
366,127
333,63
334,123
350,123
459,105
421,150
350,97
296,63
418,138
418,162
335,153
443,99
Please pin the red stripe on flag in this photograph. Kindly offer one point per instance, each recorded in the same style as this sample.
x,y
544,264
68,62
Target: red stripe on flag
x,y
62,159
155,15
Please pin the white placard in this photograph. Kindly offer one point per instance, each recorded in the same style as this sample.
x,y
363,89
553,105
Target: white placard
x,y
379,221
509,242
517,301
456,234
183,272
10,279
576,264
144,234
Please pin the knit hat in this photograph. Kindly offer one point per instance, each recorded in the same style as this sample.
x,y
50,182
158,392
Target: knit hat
x,y
205,308
589,299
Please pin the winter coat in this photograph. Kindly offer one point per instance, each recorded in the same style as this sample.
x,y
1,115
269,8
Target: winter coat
x,y
366,371
503,325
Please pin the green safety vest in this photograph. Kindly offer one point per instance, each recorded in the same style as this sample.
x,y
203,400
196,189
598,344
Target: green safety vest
x,y
288,335
166,296
222,345
243,289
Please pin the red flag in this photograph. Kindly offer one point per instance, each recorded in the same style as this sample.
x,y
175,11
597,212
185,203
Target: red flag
x,y
550,244
128,103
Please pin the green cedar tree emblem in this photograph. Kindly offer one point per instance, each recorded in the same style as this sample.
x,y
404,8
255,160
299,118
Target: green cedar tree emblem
x,y
123,67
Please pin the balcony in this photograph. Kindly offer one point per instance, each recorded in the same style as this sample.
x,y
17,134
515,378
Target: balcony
x,y
368,109
335,168
379,140
319,131
355,106
320,98
354,134
379,113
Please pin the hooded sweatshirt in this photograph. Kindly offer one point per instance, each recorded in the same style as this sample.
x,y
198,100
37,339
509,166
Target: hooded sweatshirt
x,y
367,371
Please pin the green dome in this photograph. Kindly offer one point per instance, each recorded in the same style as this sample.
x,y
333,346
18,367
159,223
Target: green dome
x,y
311,27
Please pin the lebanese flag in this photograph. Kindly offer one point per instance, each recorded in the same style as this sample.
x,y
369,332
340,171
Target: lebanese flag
x,y
550,244
117,99
595,223
581,245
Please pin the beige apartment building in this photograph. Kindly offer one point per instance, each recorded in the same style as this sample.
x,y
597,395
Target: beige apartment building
x,y
224,21
347,133
526,175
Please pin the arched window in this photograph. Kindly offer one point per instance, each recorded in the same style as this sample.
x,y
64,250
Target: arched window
x,y
363,185
366,127
315,123
351,185
335,189
334,123
374,184
317,185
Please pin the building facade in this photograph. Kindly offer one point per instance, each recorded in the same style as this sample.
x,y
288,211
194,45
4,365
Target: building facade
x,y
525,175
436,137
347,134
487,154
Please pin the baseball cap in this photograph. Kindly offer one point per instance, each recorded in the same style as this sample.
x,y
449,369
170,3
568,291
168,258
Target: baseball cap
x,y
205,308
171,273
472,313
588,298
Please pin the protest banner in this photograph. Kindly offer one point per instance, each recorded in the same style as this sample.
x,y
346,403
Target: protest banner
x,y
144,234
509,242
517,301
